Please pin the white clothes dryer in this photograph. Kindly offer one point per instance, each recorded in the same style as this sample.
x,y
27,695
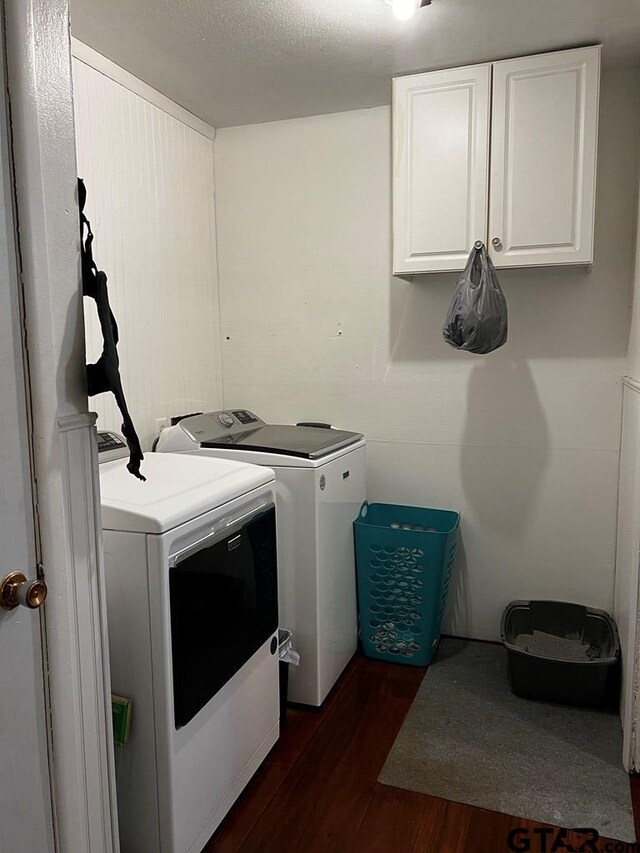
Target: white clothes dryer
x,y
191,579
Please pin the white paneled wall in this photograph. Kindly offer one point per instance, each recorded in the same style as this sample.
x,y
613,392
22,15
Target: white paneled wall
x,y
525,441
150,201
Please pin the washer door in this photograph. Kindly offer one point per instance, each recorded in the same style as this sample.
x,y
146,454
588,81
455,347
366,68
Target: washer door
x,y
224,606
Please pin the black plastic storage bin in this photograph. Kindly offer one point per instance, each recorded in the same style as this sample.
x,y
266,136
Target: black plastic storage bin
x,y
560,652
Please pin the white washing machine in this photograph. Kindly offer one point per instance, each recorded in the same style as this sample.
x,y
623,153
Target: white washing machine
x,y
320,486
191,578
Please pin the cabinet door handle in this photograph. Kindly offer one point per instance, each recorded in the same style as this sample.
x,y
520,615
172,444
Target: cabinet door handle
x,y
496,243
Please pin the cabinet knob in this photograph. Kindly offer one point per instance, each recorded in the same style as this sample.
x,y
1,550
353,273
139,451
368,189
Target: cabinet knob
x,y
496,243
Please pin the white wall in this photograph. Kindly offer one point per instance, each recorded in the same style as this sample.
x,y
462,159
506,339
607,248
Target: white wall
x,y
525,442
150,201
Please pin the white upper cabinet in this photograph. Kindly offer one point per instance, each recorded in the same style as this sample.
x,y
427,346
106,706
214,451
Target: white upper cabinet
x,y
543,158
441,167
528,192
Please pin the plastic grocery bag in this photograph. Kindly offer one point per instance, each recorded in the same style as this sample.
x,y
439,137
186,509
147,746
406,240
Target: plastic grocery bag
x,y
477,317
286,652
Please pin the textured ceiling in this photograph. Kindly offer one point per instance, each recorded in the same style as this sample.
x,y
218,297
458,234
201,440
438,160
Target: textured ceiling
x,y
244,61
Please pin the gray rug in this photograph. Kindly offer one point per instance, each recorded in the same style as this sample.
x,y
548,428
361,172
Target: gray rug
x,y
467,738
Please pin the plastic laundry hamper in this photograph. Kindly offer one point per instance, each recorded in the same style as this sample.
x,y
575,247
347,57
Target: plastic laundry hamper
x,y
404,559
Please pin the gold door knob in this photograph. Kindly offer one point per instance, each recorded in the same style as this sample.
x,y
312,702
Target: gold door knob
x,y
15,589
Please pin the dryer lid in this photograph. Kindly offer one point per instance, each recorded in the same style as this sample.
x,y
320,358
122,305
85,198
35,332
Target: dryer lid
x,y
178,488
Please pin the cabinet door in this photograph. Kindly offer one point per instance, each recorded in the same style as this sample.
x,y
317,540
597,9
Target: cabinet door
x,y
440,167
543,158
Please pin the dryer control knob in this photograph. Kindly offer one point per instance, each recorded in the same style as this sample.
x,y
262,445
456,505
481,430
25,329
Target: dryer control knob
x,y
225,419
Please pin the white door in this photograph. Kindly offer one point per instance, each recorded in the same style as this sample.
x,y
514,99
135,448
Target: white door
x,y
440,167
25,800
627,562
543,158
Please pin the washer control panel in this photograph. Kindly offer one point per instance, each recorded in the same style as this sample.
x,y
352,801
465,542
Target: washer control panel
x,y
111,445
220,426
246,417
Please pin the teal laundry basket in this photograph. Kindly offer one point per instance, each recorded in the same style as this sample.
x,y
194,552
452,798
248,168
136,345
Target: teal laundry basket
x,y
404,560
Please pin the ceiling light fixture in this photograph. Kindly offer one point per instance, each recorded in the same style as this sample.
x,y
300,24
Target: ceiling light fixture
x,y
404,9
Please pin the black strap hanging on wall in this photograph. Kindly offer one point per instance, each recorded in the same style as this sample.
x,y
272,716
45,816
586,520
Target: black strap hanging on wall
x,y
104,375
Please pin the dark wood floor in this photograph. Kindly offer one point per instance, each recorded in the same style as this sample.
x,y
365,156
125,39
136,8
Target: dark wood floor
x,y
317,792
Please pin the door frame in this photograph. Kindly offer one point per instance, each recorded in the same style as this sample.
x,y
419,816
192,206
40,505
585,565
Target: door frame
x,y
38,63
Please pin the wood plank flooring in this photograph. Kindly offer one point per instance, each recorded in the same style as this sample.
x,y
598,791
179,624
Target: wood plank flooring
x,y
317,792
